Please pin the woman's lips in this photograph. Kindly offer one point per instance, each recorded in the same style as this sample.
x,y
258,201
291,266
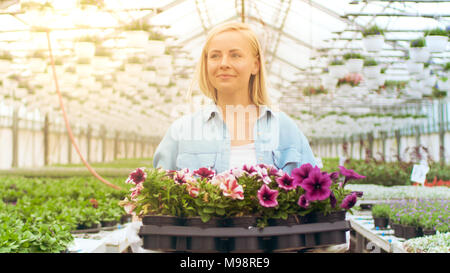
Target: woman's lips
x,y
225,76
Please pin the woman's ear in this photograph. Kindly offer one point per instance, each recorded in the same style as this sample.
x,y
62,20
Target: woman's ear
x,y
255,66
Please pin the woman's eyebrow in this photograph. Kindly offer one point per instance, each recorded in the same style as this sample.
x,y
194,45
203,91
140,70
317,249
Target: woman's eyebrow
x,y
217,50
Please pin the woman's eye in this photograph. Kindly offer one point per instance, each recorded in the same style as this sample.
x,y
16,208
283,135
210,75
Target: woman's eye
x,y
235,55
214,56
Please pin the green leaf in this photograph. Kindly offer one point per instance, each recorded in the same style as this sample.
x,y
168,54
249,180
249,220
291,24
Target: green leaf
x,y
205,217
209,210
220,211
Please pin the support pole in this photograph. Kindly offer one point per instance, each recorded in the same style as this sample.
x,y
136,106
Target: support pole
x,y
46,139
116,145
88,139
15,137
398,138
441,134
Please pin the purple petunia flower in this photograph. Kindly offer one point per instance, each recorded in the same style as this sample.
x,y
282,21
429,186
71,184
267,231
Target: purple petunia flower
x,y
137,176
267,197
332,200
316,186
286,182
359,194
300,174
302,202
349,175
205,173
349,201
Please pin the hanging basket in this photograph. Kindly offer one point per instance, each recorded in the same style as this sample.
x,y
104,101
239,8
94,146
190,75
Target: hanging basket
x,y
84,70
133,69
337,71
37,65
162,61
419,54
155,48
354,65
137,38
372,72
413,67
373,43
84,50
436,43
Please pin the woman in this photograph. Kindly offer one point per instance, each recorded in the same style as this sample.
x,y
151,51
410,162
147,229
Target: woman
x,y
241,127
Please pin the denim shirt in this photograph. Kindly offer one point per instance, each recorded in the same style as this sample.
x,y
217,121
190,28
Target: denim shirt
x,y
202,139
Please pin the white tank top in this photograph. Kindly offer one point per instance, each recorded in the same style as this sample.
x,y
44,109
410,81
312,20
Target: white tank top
x,y
243,154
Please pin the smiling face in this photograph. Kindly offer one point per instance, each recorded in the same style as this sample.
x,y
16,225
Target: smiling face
x,y
230,62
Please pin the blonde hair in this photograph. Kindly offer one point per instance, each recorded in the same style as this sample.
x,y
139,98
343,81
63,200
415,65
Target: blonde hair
x,y
257,84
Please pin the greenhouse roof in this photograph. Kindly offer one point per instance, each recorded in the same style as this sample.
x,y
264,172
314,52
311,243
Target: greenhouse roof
x,y
299,37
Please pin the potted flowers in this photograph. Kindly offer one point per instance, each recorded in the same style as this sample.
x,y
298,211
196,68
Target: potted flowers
x,y
337,69
136,34
156,45
252,196
418,52
354,62
373,38
436,40
5,61
371,68
380,214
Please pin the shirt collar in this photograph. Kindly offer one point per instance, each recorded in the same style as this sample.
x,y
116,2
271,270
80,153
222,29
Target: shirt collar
x,y
211,111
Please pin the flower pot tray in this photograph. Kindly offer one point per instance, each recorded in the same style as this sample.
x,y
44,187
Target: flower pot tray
x,y
238,239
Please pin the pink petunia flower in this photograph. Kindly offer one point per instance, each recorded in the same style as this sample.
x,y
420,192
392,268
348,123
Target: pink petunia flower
x,y
137,176
267,197
231,188
237,172
136,191
222,178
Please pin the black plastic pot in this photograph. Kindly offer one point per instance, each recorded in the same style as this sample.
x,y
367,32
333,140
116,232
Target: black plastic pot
x,y
126,219
409,232
398,230
243,221
290,221
162,220
381,222
248,244
203,244
82,228
160,243
318,217
427,232
108,223
197,222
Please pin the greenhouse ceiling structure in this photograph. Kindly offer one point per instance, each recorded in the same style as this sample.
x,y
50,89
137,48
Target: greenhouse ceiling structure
x,y
113,78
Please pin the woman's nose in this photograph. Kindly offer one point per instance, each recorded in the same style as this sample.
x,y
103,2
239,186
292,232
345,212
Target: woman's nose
x,y
224,62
